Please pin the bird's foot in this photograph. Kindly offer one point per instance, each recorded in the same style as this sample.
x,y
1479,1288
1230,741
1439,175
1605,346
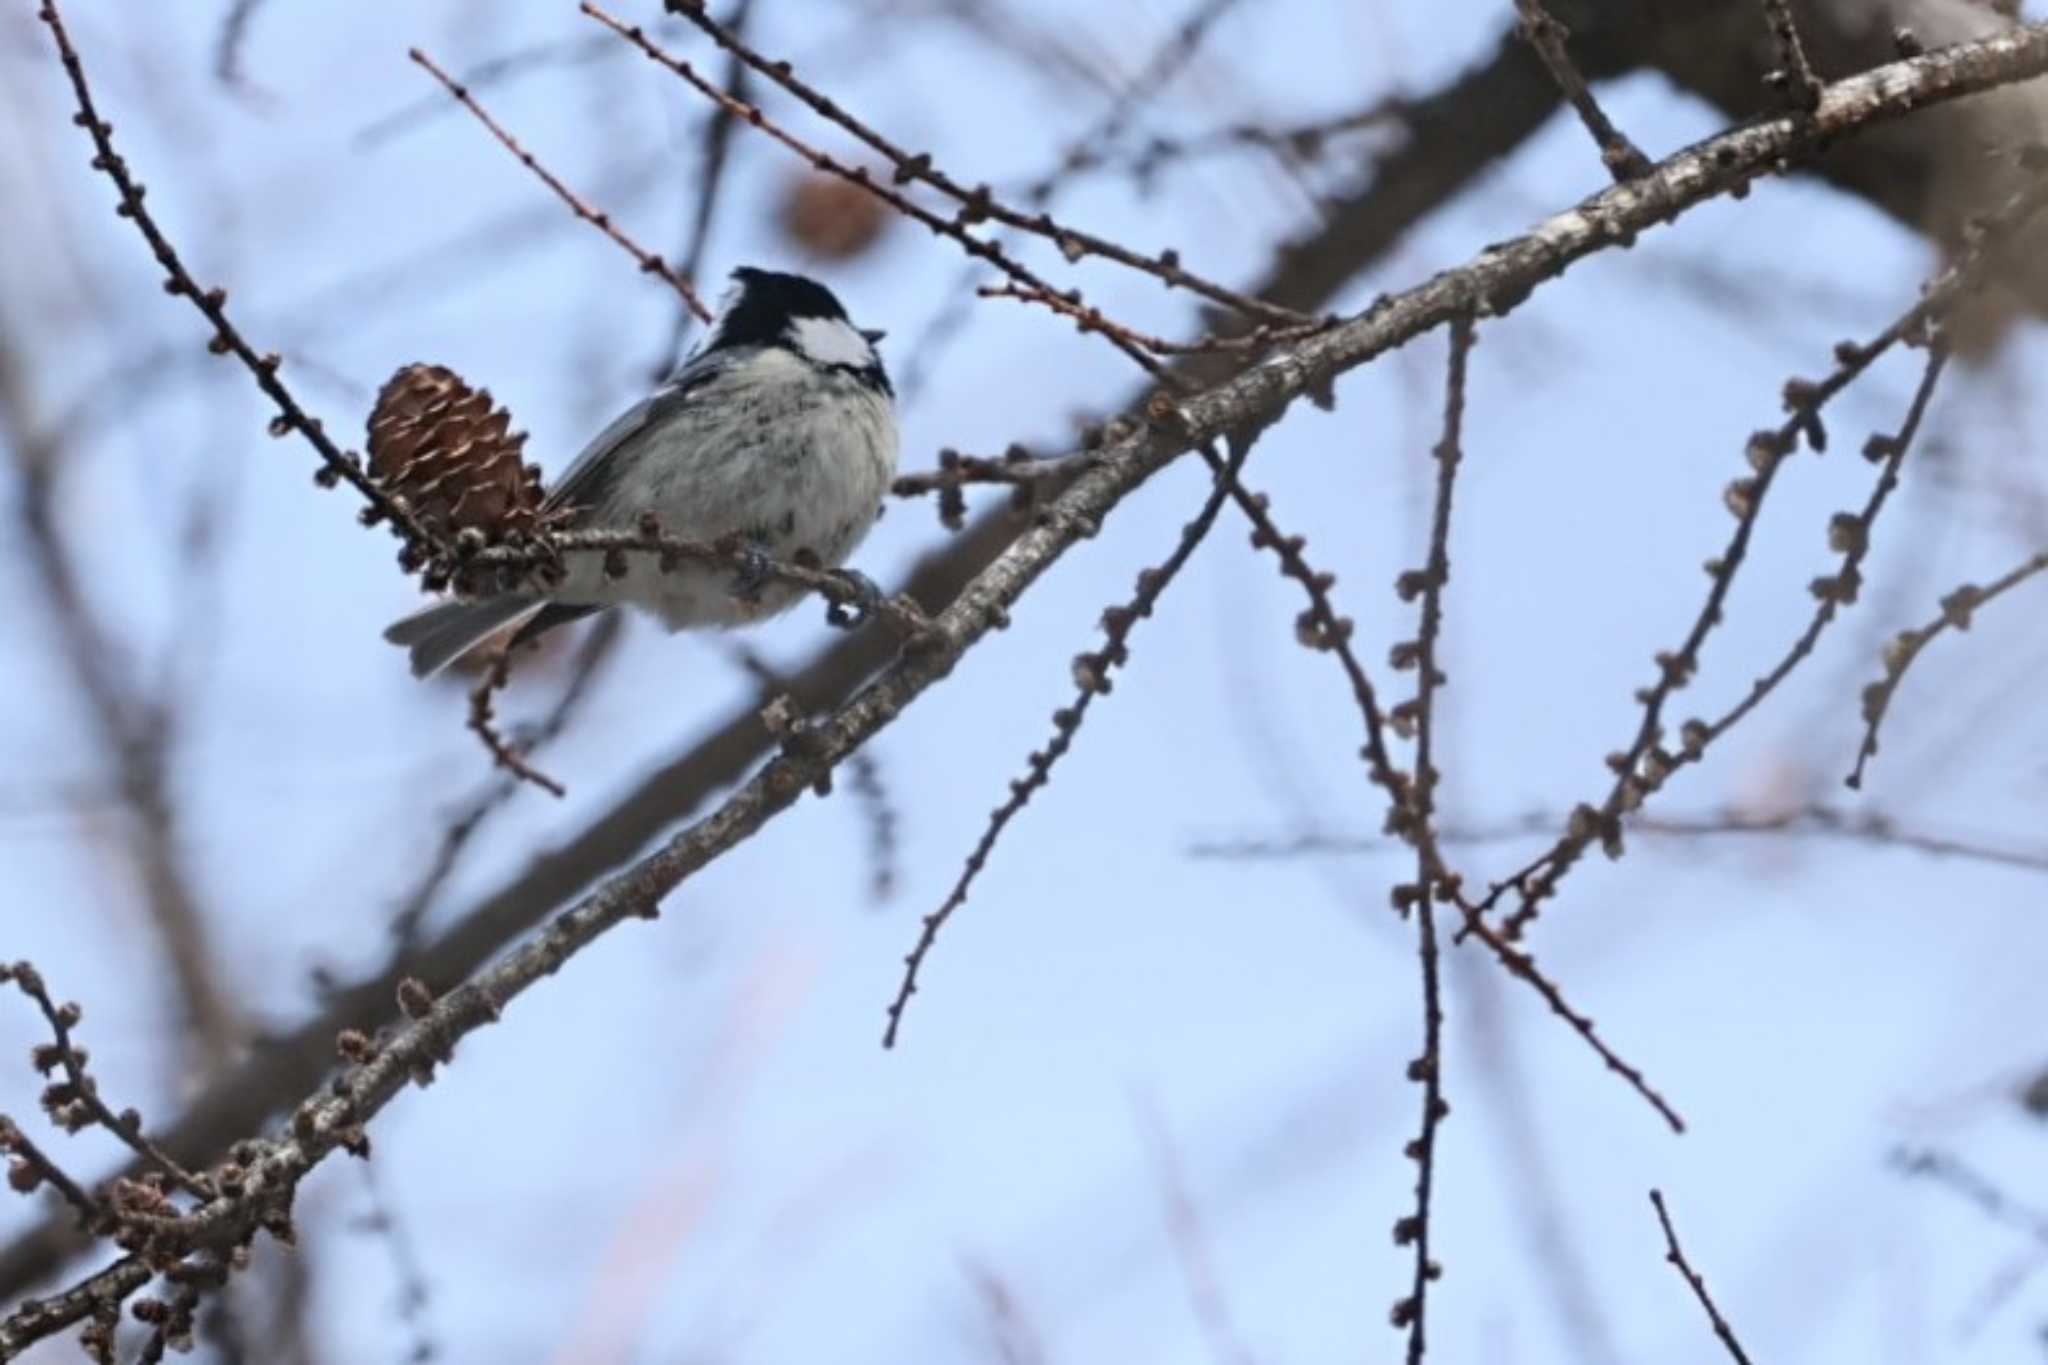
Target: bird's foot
x,y
862,601
754,573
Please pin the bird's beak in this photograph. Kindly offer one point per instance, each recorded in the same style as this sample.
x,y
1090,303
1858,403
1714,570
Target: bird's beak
x,y
874,335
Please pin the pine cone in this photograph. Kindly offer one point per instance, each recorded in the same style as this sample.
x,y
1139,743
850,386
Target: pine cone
x,y
830,217
451,455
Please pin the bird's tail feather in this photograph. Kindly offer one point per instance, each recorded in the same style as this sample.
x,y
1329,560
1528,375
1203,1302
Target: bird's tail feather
x,y
442,634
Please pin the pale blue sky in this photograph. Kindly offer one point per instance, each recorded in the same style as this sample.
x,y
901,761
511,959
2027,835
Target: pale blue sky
x,y
703,1098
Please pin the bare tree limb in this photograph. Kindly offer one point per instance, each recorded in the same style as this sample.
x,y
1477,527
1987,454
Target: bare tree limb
x,y
1674,1254
1496,281
1793,78
1622,157
680,281
1427,1070
1642,768
1092,679
1958,609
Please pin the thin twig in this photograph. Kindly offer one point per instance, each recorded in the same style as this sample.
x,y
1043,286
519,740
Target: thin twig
x,y
211,303
383,1221
1958,610
1091,679
462,829
1323,629
872,795
175,1319
650,263
978,203
79,1092
1645,770
1793,80
1087,318
1849,535
1693,1278
492,71
1523,965
1302,142
1547,34
1016,1339
36,1167
38,1318
1427,1069
227,49
1084,151
1949,1170
1016,468
1643,767
864,781
954,229
1526,1128
507,755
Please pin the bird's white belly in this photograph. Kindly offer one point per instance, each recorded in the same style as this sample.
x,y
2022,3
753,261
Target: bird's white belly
x,y
800,472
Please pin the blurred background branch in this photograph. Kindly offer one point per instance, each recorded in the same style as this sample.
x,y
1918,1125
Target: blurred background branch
x,y
177,664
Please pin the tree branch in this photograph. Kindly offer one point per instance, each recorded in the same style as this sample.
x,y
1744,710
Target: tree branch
x,y
1493,283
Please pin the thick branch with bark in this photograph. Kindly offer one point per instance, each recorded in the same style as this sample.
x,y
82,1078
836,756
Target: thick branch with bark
x,y
1494,283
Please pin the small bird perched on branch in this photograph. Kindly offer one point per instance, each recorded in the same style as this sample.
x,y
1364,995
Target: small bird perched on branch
x,y
780,430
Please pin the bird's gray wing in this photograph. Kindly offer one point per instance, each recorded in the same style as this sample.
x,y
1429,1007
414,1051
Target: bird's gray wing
x,y
588,481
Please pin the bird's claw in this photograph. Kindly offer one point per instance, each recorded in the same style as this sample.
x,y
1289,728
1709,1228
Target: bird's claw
x,y
864,599
755,570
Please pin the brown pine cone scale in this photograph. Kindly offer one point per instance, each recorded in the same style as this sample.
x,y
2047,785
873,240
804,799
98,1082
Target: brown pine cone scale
x,y
452,455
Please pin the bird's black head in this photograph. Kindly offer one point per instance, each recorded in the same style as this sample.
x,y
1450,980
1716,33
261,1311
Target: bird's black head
x,y
761,304
769,308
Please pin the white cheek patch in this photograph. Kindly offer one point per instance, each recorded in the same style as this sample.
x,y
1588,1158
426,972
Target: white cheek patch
x,y
830,341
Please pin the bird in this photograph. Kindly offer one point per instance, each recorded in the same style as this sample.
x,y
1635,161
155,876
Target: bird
x,y
779,428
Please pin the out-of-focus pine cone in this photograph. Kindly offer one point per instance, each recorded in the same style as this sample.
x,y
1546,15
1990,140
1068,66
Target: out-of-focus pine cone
x,y
831,218
452,455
